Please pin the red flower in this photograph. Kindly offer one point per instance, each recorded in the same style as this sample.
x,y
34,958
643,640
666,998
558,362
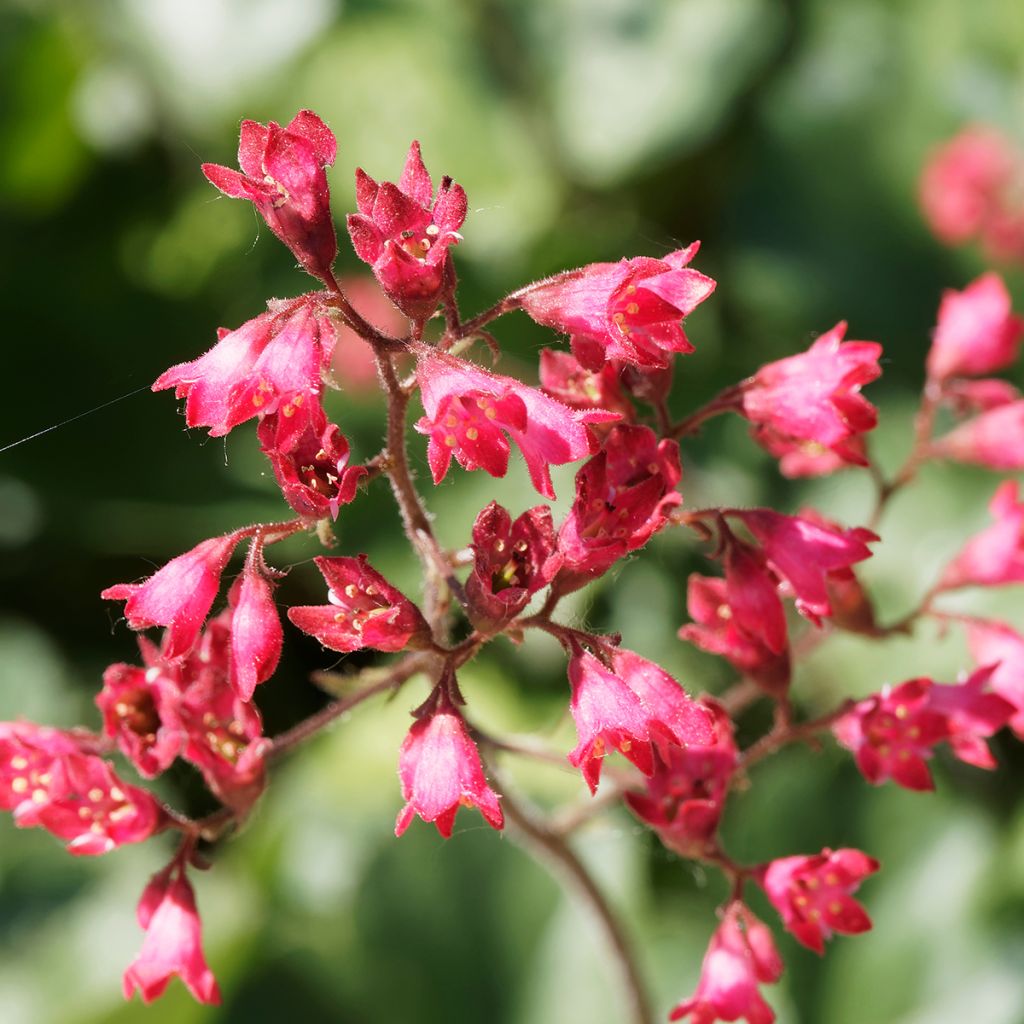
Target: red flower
x,y
270,363
741,956
997,644
813,894
810,404
178,595
996,555
977,333
283,175
469,411
512,561
309,457
440,770
994,439
173,943
972,713
256,635
364,610
630,310
403,232
623,497
683,799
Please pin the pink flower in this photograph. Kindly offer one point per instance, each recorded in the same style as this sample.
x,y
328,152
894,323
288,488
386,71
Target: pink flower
x,y
996,555
810,404
178,595
630,310
752,591
997,644
403,232
715,629
684,797
977,333
140,712
624,495
256,635
309,457
627,705
440,769
173,943
994,439
512,561
963,183
968,396
270,363
469,411
973,713
364,610
813,894
283,175
805,554
892,733
741,956
565,378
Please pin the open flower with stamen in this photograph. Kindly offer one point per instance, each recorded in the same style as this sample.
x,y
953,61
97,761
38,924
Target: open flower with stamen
x,y
813,894
403,231
364,610
564,377
469,412
283,175
631,310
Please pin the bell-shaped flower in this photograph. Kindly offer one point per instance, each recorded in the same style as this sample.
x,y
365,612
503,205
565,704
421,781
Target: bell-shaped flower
x,y
403,232
283,175
996,555
178,595
256,634
173,943
512,561
624,495
469,411
30,762
804,552
813,894
977,332
364,610
631,310
140,712
684,797
440,770
716,629
999,645
812,403
741,956
270,363
995,439
564,377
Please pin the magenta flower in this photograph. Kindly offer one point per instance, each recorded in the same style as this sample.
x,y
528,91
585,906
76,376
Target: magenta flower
x,y
140,711
364,610
994,439
741,956
512,561
469,411
892,733
403,232
753,598
178,595
996,555
565,378
810,404
270,363
309,457
813,894
805,553
684,797
977,332
973,713
440,769
624,495
256,634
173,943
716,629
283,175
999,645
630,310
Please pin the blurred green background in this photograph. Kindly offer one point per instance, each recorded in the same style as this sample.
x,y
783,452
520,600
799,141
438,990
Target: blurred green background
x,y
787,135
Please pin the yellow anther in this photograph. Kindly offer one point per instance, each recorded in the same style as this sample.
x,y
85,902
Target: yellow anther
x,y
451,440
450,421
96,794
371,591
289,411
490,412
19,785
831,879
116,794
631,289
39,796
618,317
351,590
433,229
724,612
626,746
632,309
96,828
19,763
472,433
902,711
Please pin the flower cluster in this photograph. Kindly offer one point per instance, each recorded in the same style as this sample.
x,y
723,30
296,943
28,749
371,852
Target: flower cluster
x,y
604,405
